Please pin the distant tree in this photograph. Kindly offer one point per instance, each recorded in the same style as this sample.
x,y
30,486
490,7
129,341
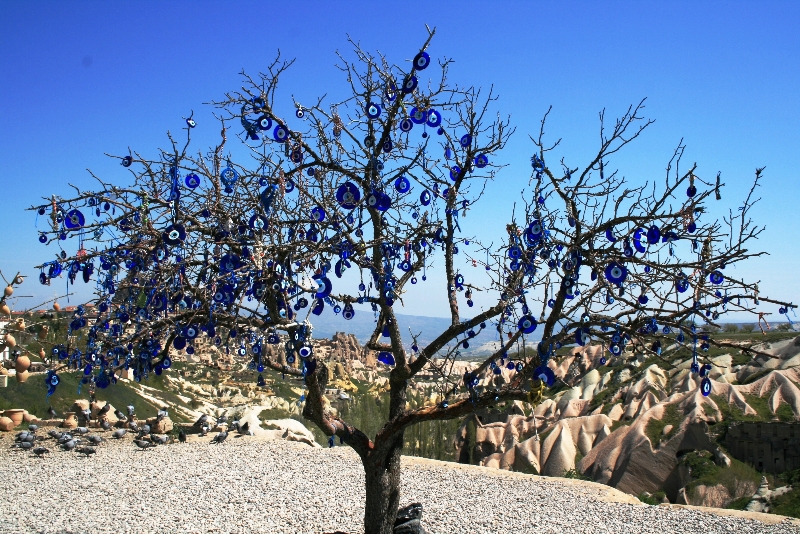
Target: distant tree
x,y
748,328
783,327
347,203
731,328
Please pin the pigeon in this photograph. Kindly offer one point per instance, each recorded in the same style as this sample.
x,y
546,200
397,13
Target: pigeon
x,y
65,438
25,436
23,445
244,429
87,414
145,430
204,430
119,415
105,409
235,425
87,451
95,439
52,413
33,428
162,414
182,436
202,421
159,440
119,433
131,410
41,451
133,426
54,434
105,425
142,444
222,419
69,445
219,438
82,430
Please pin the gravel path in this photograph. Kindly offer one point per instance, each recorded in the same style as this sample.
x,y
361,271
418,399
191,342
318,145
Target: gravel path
x,y
252,486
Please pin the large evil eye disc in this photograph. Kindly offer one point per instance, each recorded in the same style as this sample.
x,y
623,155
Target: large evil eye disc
x,y
434,118
421,61
402,184
373,110
264,123
280,133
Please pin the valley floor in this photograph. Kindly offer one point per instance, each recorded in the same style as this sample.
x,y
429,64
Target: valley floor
x,y
248,485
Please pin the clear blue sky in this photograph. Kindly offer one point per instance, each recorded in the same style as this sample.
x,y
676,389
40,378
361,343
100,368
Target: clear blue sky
x,y
78,79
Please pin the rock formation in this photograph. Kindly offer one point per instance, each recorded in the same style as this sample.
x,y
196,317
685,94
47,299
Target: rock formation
x,y
657,416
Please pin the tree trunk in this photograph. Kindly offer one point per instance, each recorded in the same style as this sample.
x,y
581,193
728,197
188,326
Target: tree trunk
x,y
382,476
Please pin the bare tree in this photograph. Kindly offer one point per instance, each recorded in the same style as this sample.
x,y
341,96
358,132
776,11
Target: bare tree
x,y
376,184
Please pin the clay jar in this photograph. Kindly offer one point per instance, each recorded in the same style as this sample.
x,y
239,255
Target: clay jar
x,y
6,424
70,421
22,364
15,416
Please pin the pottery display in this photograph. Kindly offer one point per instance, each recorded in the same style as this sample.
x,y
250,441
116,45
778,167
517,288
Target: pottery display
x,y
15,415
6,424
70,421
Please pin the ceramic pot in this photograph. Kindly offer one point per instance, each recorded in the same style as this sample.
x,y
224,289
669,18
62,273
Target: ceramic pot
x,y
15,415
6,424
22,363
70,421
3,381
22,377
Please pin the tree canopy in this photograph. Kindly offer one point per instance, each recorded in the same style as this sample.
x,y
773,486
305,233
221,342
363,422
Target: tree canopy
x,y
343,204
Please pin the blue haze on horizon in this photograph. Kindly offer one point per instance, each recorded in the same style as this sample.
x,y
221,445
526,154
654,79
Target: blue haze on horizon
x,y
80,79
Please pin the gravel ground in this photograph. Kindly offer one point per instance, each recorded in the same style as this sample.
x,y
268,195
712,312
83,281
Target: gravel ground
x,y
249,485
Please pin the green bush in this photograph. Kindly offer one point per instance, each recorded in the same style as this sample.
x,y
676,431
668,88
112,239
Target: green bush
x,y
787,504
575,474
654,499
655,427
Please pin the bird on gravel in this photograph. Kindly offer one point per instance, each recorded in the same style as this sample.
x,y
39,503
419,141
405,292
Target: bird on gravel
x,y
65,438
82,430
54,434
142,444
33,428
131,410
244,429
70,445
105,425
23,445
87,451
25,437
182,436
159,440
222,419
105,409
95,439
87,414
51,412
145,430
119,415
119,433
133,427
41,451
219,438
201,421
204,430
